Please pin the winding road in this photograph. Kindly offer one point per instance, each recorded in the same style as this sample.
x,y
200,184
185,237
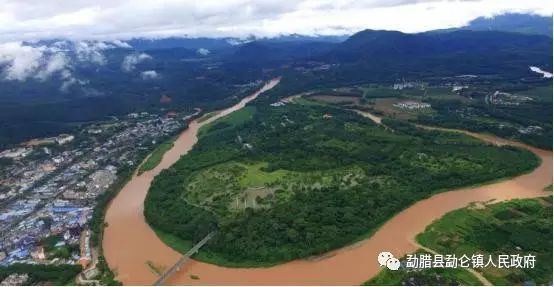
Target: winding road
x,y
129,243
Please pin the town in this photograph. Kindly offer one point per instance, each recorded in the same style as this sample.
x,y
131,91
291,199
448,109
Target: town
x,y
49,187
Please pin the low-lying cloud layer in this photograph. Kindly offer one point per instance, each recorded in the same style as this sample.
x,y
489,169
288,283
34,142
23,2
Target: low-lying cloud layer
x,y
149,75
130,61
21,61
124,19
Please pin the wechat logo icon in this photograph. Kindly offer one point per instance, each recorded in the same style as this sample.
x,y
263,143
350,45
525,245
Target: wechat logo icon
x,y
387,259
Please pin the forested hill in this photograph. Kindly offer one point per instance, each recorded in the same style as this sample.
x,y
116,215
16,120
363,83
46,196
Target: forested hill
x,y
474,52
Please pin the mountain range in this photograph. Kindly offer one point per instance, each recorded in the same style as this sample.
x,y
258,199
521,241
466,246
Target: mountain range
x,y
88,80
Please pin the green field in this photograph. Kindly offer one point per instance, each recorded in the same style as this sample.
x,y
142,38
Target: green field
x,y
515,227
232,120
156,156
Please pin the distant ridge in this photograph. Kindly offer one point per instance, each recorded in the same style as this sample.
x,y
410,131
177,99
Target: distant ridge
x,y
510,22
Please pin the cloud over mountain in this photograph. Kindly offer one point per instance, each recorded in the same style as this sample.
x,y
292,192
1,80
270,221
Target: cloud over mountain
x,y
124,19
21,61
149,75
130,61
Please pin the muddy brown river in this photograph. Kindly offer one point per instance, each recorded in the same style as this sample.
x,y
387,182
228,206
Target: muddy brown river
x,y
130,245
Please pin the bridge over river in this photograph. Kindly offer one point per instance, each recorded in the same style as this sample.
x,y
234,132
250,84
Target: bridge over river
x,y
177,266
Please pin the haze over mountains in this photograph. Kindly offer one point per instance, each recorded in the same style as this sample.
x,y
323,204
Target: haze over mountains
x,y
513,22
50,83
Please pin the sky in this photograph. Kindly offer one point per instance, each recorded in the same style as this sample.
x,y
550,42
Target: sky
x,y
29,20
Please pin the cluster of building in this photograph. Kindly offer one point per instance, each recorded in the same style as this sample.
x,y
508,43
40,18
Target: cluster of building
x,y
412,105
249,85
282,102
15,280
506,99
16,153
54,191
313,66
459,88
24,174
530,130
408,85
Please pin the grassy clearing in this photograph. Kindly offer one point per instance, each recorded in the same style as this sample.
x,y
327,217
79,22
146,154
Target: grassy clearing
x,y
515,227
221,188
422,277
308,102
256,177
374,91
156,156
335,99
234,186
234,119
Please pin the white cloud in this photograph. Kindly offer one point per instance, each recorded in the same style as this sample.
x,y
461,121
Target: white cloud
x,y
110,20
203,51
66,84
130,61
149,75
91,52
20,62
55,63
121,44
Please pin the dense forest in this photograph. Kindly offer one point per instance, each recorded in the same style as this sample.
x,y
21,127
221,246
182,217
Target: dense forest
x,y
294,181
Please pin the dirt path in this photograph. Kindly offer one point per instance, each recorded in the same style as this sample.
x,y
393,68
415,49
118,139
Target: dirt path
x,y
129,242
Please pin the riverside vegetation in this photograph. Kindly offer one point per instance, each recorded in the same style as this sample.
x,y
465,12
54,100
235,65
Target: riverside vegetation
x,y
424,276
281,183
516,227
520,226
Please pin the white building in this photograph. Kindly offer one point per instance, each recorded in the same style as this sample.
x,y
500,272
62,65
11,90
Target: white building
x,y
63,139
16,152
